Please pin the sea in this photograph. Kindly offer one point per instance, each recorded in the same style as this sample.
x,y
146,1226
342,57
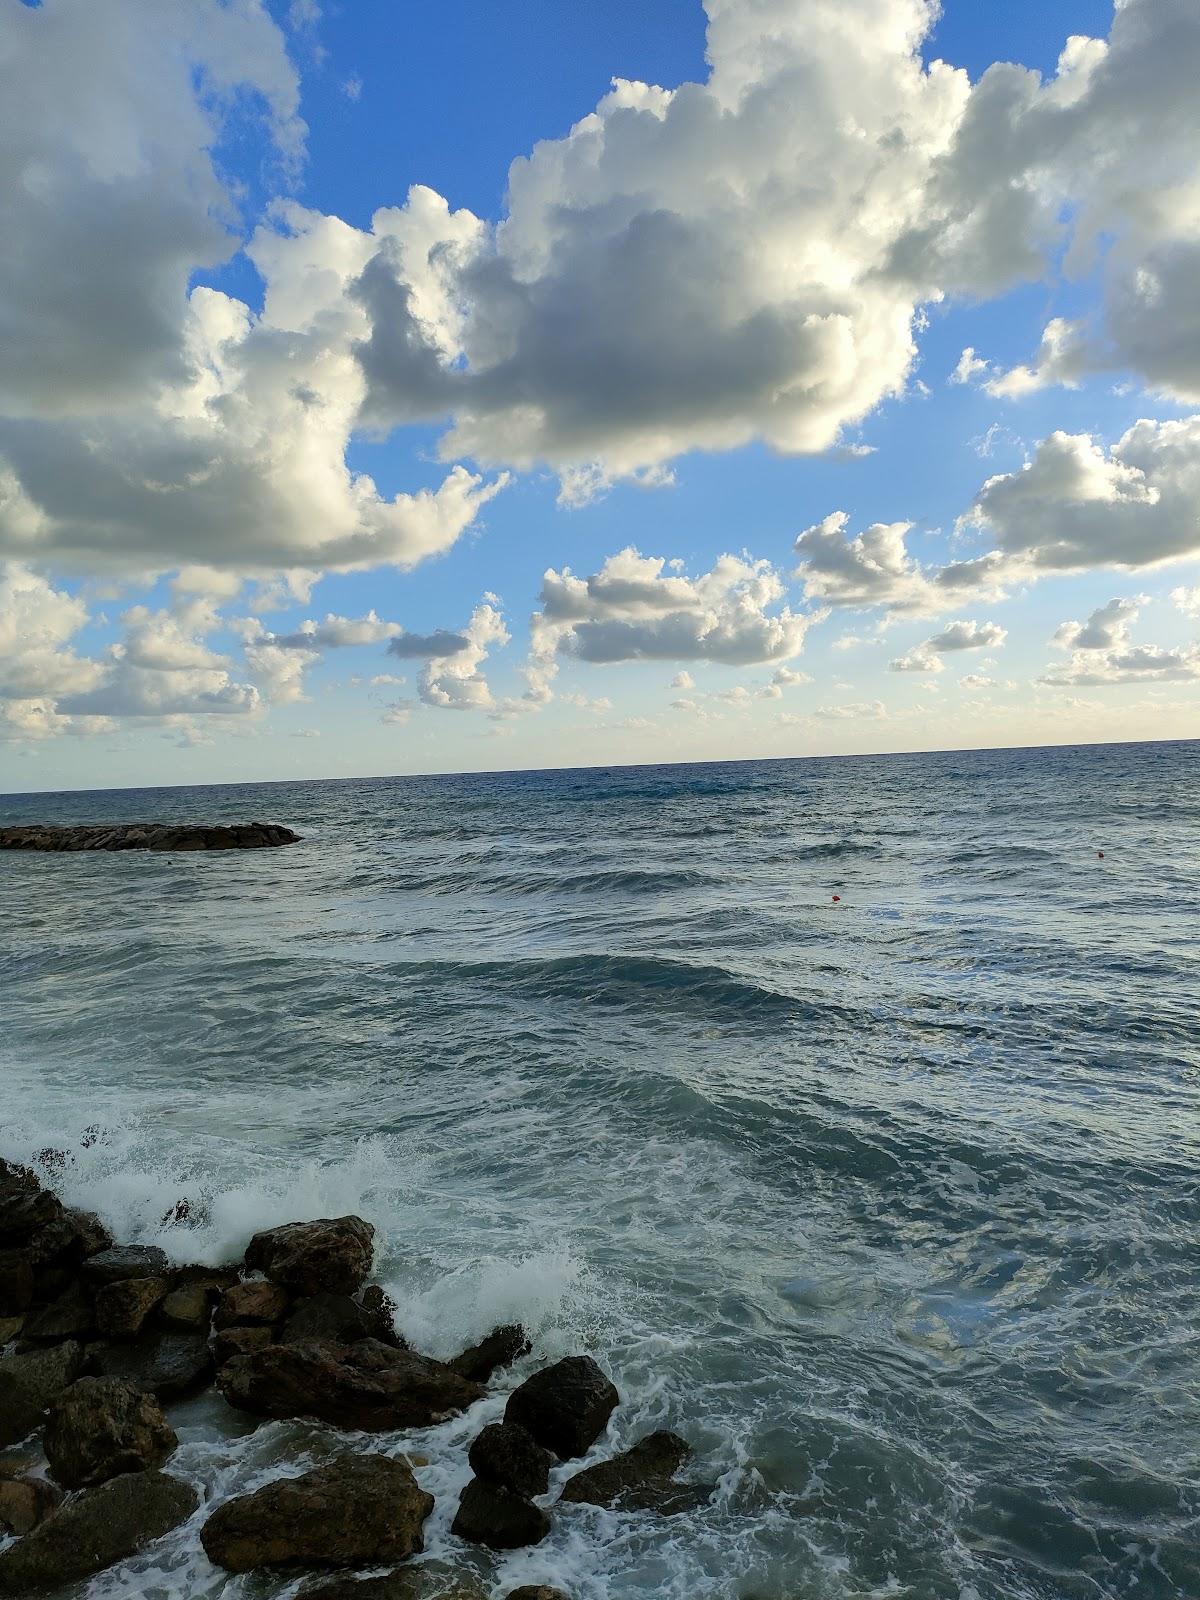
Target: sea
x,y
846,1111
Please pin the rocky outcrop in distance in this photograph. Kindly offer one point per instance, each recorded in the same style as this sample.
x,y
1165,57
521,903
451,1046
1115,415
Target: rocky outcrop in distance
x,y
147,836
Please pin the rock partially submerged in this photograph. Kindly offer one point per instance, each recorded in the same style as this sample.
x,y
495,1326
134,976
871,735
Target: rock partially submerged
x,y
430,1581
94,1530
147,836
367,1385
500,1518
565,1407
500,1348
333,1254
506,1454
100,1428
25,1501
360,1511
640,1479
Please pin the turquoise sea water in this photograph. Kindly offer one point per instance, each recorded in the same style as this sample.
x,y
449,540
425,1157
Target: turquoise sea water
x,y
891,1206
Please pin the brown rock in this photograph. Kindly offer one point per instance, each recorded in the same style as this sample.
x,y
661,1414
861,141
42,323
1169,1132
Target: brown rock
x,y
122,1308
565,1407
499,1518
429,1581
189,1306
335,1319
259,1304
24,1502
358,1511
71,1316
100,1428
639,1479
367,1385
125,1261
167,1365
240,1342
333,1254
500,1349
504,1453
10,1327
95,1530
536,1591
16,1282
29,1382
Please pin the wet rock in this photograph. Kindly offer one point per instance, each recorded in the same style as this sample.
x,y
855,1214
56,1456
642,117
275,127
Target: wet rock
x,y
94,1530
536,1591
100,1428
190,1306
71,1316
565,1407
16,1282
10,1327
81,1235
506,1454
148,836
166,1365
367,1385
429,1581
382,1309
24,1502
497,1517
29,1382
122,1308
500,1349
358,1511
240,1342
335,1319
638,1479
333,1254
125,1261
257,1304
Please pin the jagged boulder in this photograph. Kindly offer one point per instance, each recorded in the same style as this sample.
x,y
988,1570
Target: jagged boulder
x,y
500,1348
167,1365
125,1261
366,1385
256,1304
16,1282
536,1591
29,1382
429,1581
240,1342
506,1454
500,1518
358,1511
100,1428
565,1407
639,1479
189,1306
333,1254
25,1501
123,1307
94,1530
337,1319
71,1316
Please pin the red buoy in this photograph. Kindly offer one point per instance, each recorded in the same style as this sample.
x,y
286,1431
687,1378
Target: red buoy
x,y
836,898
1099,855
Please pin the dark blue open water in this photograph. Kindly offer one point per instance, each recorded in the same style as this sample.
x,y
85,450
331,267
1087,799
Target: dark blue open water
x,y
892,1206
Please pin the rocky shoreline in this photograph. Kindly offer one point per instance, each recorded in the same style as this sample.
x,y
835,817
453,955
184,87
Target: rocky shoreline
x,y
98,1339
148,836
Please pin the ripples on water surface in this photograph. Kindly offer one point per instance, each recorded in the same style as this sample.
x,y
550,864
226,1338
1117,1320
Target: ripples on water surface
x,y
892,1207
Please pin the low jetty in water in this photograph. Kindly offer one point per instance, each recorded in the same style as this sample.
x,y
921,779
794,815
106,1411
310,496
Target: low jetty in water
x,y
148,836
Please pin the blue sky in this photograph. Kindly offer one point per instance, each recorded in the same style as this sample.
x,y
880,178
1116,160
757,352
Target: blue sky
x,y
696,327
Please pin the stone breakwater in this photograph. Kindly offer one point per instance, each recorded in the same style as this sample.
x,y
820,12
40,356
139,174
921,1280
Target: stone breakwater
x,y
100,1339
148,836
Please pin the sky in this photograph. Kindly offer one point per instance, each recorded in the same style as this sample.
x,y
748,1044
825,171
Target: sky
x,y
394,387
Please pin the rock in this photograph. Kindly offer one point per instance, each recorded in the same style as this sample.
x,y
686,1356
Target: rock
x,y
367,1385
382,1309
166,1365
16,1282
638,1479
189,1306
334,1254
148,836
100,1428
259,1304
240,1342
335,1319
71,1316
504,1453
10,1327
122,1308
125,1261
429,1581
500,1349
88,1234
565,1407
24,1502
536,1591
497,1517
94,1530
358,1511
29,1382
